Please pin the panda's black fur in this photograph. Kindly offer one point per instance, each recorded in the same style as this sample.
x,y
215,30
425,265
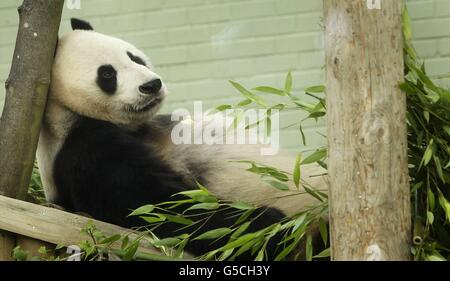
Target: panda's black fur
x,y
107,165
106,172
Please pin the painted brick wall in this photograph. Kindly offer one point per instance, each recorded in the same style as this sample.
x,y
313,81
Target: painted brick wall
x,y
198,45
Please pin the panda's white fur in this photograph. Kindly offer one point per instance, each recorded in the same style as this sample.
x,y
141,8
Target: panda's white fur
x,y
75,96
79,54
86,50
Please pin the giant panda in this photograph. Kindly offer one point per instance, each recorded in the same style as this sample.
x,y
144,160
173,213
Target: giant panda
x,y
104,150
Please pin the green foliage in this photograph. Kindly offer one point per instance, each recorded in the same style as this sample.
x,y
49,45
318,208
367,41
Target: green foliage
x,y
19,255
35,190
428,119
43,254
239,240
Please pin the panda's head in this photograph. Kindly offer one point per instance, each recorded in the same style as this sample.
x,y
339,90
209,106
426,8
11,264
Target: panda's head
x,y
104,78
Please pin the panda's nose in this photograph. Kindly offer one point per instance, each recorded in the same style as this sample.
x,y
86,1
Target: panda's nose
x,y
151,87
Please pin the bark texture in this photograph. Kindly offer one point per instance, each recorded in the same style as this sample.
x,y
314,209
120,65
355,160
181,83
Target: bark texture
x,y
26,95
367,141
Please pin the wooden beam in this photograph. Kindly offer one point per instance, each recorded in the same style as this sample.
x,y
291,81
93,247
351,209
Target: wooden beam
x,y
55,226
367,141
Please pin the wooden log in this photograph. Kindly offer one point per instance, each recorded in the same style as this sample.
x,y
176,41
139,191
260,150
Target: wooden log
x,y
55,226
366,118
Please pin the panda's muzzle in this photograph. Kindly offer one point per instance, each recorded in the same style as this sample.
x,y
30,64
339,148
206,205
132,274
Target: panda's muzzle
x,y
151,88
153,96
138,108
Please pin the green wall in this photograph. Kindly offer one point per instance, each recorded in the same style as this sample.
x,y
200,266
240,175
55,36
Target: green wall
x,y
198,45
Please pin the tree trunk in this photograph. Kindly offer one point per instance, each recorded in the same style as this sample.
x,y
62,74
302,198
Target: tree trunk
x,y
367,141
26,95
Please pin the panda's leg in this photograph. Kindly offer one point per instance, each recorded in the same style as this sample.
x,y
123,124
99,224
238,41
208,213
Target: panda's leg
x,y
223,218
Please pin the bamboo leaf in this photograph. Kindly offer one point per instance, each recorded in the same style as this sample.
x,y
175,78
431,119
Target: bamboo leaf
x,y
226,254
324,254
220,108
431,199
286,251
427,155
276,184
296,173
131,251
323,229
316,156
244,216
240,230
445,205
178,219
110,239
430,217
298,222
316,89
204,206
244,102
437,162
407,33
192,193
270,90
238,242
168,242
249,95
260,256
146,209
241,206
288,83
309,247
151,220
436,258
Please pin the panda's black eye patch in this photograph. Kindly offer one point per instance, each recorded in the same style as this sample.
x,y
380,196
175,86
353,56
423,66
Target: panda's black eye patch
x,y
107,78
136,59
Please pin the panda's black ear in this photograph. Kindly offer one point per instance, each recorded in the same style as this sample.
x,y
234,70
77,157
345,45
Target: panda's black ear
x,y
78,24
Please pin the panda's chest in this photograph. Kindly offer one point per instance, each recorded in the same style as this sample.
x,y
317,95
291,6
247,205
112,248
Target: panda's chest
x,y
48,148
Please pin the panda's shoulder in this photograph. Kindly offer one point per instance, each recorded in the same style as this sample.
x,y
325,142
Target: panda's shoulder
x,y
99,139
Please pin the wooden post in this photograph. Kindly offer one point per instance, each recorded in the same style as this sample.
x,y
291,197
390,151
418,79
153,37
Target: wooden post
x,y
7,243
367,141
26,95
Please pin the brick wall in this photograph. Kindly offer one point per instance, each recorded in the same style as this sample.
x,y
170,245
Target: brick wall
x,y
198,45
